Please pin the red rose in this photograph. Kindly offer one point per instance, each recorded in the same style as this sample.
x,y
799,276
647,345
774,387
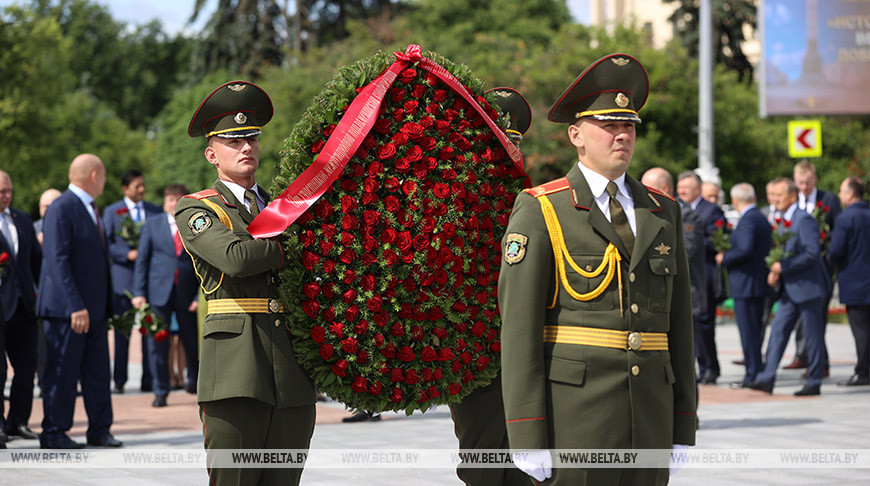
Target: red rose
x,y
446,153
389,234
376,388
482,361
349,222
398,114
456,366
371,185
409,187
443,126
404,241
428,143
392,184
361,153
371,218
433,392
428,354
439,95
347,256
390,257
348,204
411,377
349,345
367,259
441,190
381,318
396,375
329,231
351,314
826,209
823,235
323,209
375,168
362,356
495,346
379,340
421,242
148,317
414,153
375,303
361,328
307,238
411,107
368,283
382,126
424,397
406,354
389,351
719,223
418,90
328,291
397,329
311,308
407,75
427,122
359,384
143,330
427,224
121,211
777,220
326,351
788,224
337,329
445,354
317,146
349,296
396,396
318,334
467,376
411,129
340,367
161,335
397,94
416,333
386,151
819,204
454,388
399,138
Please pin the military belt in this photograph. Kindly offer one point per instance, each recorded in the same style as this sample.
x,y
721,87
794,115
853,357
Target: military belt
x,y
245,306
606,338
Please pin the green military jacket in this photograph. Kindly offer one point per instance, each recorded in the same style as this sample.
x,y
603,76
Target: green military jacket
x,y
244,354
578,396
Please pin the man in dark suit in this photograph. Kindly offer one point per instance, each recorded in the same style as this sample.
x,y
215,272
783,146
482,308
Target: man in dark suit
x,y
850,252
123,257
747,276
689,190
19,304
804,287
811,199
75,302
165,278
5,275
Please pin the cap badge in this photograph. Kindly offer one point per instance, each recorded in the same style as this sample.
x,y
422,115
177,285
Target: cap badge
x,y
663,249
502,94
237,87
621,100
620,61
240,118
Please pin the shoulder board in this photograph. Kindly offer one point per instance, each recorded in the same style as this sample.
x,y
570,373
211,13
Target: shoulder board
x,y
660,193
560,184
203,194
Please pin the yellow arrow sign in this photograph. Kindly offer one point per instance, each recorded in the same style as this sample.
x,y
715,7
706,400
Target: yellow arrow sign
x,y
804,138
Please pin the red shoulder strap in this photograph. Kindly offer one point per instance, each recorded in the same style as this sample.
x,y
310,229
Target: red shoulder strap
x,y
557,185
203,194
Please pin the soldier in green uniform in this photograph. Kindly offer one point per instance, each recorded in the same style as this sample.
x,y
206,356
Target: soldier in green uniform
x,y
597,348
251,391
479,418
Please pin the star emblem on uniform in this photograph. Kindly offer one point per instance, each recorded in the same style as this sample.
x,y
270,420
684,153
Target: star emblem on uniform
x,y
663,249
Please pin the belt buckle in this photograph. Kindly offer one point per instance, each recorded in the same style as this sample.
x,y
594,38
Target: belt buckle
x,y
274,306
635,341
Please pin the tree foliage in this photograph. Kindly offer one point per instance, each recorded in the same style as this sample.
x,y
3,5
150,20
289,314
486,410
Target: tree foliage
x,y
730,19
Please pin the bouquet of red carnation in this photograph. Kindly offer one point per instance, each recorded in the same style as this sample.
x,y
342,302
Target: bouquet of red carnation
x,y
129,230
392,272
777,252
149,323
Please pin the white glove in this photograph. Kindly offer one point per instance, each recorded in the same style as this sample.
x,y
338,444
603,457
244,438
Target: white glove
x,y
537,464
679,452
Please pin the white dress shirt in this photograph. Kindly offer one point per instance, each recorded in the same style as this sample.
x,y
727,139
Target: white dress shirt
x,y
598,185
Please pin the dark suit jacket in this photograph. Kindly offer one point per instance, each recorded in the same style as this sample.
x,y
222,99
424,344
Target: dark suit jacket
x,y
155,267
26,266
750,242
122,269
804,276
693,235
710,213
75,265
833,202
850,251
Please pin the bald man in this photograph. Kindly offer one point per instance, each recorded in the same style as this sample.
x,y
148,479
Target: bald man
x,y
45,201
74,302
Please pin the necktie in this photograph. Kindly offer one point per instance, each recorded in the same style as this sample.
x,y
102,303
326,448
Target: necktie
x,y
176,238
99,222
618,218
253,205
136,214
7,235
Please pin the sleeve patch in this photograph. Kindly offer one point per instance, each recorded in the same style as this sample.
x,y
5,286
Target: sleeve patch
x,y
199,222
515,248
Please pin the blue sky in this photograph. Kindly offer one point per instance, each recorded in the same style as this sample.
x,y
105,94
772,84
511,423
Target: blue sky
x,y
174,13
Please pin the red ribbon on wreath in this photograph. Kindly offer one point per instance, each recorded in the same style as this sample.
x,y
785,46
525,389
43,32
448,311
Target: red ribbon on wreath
x,y
348,136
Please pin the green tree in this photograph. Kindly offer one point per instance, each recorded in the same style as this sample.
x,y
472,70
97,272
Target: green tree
x,y
730,19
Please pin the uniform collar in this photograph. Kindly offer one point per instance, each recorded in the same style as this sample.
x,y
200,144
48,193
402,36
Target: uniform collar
x,y
239,192
598,183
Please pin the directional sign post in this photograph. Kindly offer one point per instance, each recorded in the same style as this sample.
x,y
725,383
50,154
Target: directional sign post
x,y
804,138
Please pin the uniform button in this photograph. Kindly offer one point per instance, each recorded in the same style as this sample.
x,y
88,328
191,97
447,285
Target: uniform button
x,y
277,322
635,370
634,308
667,270
274,281
632,277
588,268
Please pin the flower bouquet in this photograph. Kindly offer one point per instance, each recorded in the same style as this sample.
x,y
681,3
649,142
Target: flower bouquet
x,y
777,252
129,230
721,239
820,214
392,272
149,323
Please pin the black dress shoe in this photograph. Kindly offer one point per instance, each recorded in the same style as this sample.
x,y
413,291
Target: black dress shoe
x,y
808,391
106,440
855,380
118,390
159,401
708,378
22,431
765,387
59,442
362,417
